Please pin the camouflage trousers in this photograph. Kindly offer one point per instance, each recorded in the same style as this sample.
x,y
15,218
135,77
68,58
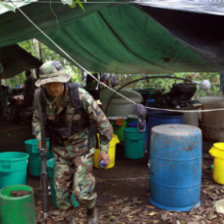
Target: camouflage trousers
x,y
74,176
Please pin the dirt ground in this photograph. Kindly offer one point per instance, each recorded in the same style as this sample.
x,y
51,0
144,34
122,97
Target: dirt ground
x,y
123,191
123,196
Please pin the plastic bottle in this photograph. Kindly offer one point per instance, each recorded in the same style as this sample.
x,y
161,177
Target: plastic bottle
x,y
102,164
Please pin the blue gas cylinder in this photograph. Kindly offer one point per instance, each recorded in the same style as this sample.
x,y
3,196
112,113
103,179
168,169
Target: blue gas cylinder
x,y
175,170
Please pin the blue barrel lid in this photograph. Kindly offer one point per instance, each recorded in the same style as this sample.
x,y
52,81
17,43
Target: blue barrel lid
x,y
176,129
177,141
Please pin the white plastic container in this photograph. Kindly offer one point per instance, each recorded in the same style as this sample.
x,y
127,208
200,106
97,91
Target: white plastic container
x,y
193,117
120,107
212,123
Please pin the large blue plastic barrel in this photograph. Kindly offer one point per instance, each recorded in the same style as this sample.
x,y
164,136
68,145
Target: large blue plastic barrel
x,y
175,171
150,102
159,117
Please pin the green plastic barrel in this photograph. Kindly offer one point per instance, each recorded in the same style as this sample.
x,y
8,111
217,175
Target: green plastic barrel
x,y
13,168
119,130
17,209
32,148
50,172
134,142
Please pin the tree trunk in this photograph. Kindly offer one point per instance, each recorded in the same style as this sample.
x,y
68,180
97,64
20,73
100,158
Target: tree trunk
x,y
38,53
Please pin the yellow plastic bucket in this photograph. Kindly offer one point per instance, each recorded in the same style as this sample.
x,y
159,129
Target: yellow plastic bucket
x,y
217,151
111,152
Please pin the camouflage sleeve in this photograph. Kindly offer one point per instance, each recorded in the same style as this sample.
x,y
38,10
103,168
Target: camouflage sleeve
x,y
36,125
36,121
98,117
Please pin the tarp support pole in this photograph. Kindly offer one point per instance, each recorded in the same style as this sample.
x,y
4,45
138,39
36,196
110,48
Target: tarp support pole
x,y
83,76
1,96
1,90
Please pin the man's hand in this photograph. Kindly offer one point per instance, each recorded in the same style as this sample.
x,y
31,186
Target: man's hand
x,y
39,144
105,157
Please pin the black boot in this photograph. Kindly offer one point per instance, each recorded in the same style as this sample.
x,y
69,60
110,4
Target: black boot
x,y
92,216
69,220
72,221
69,216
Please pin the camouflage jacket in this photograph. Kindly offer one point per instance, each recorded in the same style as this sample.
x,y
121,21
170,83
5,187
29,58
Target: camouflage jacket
x,y
94,113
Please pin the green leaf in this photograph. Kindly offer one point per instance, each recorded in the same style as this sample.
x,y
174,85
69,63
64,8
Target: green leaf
x,y
6,5
80,5
67,2
73,5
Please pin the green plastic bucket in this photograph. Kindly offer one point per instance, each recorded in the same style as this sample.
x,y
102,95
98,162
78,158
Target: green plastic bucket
x,y
119,130
17,209
32,148
13,168
50,172
134,143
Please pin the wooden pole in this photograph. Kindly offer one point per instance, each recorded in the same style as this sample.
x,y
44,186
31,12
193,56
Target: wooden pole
x,y
1,91
222,82
38,53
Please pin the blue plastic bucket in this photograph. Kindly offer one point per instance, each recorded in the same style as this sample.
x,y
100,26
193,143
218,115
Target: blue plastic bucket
x,y
175,168
32,148
50,172
13,168
134,124
134,142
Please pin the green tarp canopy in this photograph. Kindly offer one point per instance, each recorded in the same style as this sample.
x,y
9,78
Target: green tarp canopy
x,y
113,38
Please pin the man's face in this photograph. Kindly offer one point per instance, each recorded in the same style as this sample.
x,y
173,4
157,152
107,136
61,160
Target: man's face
x,y
54,89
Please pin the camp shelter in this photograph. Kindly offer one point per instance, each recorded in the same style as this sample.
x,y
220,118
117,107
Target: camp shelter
x,y
123,38
120,37
15,60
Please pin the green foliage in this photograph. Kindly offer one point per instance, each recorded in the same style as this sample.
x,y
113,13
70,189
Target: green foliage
x,y
166,84
80,4
16,81
45,55
213,77
71,3
7,5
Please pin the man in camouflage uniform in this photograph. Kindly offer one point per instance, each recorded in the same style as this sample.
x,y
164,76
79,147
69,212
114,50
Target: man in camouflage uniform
x,y
73,154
